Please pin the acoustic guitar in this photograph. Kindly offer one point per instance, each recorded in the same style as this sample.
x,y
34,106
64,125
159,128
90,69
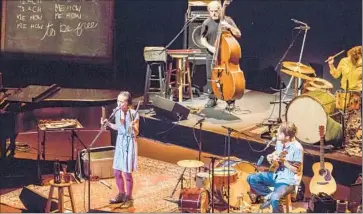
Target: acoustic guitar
x,y
276,163
322,181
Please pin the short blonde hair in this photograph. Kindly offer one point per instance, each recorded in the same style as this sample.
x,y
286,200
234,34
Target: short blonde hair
x,y
288,129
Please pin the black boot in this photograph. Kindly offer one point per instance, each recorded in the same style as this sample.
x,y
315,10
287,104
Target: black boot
x,y
211,103
120,198
231,105
129,202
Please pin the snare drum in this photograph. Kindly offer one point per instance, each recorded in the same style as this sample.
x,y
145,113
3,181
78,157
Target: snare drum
x,y
194,200
352,100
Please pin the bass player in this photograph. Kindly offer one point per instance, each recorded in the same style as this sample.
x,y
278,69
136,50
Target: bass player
x,y
208,38
288,158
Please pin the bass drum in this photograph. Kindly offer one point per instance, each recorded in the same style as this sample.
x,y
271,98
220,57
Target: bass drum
x,y
194,200
311,110
240,189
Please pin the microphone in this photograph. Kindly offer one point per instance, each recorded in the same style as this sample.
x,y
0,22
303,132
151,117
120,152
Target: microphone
x,y
299,22
260,160
200,121
302,28
106,184
273,140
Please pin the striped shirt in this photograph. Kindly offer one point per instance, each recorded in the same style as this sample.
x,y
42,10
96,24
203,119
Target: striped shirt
x,y
295,154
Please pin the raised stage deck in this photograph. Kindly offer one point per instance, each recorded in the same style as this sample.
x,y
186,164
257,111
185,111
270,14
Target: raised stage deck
x,y
249,117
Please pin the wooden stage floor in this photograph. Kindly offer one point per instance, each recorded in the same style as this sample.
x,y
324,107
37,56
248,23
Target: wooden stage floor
x,y
252,112
150,152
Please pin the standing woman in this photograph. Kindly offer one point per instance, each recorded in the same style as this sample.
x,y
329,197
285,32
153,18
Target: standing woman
x,y
125,158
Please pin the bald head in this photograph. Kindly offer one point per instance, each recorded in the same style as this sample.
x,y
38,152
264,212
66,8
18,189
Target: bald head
x,y
214,9
214,5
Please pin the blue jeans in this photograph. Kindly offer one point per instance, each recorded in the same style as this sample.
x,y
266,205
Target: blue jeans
x,y
260,182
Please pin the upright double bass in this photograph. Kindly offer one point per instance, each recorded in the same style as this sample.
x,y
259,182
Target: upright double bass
x,y
228,81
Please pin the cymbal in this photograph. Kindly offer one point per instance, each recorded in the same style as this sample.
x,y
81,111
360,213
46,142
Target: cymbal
x,y
190,163
320,83
294,66
297,74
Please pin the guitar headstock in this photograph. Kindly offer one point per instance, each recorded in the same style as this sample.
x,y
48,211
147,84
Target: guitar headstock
x,y
321,131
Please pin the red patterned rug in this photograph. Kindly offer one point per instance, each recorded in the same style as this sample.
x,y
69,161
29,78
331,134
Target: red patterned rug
x,y
154,181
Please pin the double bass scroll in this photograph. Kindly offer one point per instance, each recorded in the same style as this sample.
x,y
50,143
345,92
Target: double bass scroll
x,y
228,81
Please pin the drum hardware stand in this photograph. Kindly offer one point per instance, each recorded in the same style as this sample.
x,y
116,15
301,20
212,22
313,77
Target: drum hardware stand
x,y
213,160
180,180
344,116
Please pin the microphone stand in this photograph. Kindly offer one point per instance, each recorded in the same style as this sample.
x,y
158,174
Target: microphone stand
x,y
229,131
213,160
301,52
183,28
170,43
279,120
103,127
200,142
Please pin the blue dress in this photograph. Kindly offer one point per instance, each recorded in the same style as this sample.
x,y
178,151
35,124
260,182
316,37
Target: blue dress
x,y
125,158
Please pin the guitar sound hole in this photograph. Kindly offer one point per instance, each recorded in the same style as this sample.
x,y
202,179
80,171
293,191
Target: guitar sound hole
x,y
322,172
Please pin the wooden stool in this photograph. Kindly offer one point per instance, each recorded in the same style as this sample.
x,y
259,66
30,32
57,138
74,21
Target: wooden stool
x,y
286,201
60,187
155,73
182,75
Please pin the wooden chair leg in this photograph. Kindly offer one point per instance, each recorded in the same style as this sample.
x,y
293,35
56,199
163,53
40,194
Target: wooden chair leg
x,y
190,89
49,202
288,203
61,200
70,190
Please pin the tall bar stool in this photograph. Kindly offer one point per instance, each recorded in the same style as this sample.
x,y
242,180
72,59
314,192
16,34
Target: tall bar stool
x,y
60,198
155,58
182,76
155,73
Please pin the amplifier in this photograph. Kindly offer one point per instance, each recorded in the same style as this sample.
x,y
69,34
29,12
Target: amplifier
x,y
155,54
321,203
202,15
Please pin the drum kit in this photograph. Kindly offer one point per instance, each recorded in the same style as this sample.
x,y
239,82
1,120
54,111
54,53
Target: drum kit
x,y
318,106
213,184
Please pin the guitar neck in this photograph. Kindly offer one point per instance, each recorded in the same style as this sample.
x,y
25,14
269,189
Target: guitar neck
x,y
322,152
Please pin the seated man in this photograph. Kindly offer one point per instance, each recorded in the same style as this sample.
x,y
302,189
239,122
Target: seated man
x,y
288,159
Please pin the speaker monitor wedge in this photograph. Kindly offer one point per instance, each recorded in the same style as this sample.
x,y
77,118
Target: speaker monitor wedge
x,y
169,109
34,202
